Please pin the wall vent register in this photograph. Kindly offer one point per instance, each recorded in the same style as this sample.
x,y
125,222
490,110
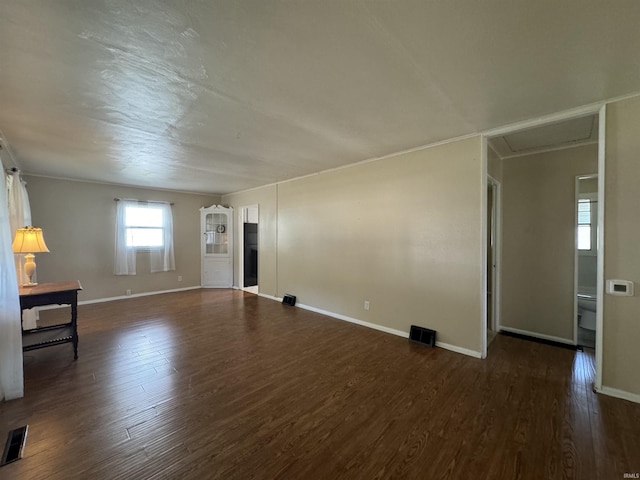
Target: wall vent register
x,y
424,336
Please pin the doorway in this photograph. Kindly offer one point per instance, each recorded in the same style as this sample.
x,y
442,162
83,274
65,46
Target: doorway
x,y
248,251
546,134
586,261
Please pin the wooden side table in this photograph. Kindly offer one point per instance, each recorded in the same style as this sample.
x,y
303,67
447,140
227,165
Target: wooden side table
x,y
60,293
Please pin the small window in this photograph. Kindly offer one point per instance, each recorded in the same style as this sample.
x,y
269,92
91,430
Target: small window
x,y
584,224
587,224
144,227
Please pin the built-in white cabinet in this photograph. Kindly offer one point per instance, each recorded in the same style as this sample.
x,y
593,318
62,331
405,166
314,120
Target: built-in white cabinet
x,y
216,228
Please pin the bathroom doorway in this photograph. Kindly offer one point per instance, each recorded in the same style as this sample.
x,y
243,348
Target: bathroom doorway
x,y
531,265
248,249
586,260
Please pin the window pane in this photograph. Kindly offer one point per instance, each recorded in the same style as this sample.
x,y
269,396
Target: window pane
x,y
143,217
584,212
584,237
145,237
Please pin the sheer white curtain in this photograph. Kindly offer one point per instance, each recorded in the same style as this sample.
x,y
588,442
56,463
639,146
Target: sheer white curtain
x,y
162,259
131,235
125,257
20,216
11,383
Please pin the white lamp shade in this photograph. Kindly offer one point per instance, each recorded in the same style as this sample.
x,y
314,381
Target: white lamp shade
x,y
29,240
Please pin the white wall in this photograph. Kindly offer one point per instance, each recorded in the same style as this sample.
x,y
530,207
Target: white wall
x,y
621,355
78,222
538,240
403,233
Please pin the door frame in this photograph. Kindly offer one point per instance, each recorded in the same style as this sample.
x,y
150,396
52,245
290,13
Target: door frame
x,y
496,233
242,216
600,109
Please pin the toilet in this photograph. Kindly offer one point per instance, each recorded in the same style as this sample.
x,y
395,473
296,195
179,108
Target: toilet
x,y
587,300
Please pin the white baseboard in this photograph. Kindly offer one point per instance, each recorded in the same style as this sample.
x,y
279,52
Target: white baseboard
x,y
614,392
455,348
134,295
538,335
122,297
375,326
270,297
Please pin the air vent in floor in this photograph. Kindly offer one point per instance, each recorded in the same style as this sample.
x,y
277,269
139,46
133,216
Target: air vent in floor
x,y
15,445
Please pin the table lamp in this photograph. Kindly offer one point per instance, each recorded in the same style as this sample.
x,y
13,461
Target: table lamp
x,y
29,240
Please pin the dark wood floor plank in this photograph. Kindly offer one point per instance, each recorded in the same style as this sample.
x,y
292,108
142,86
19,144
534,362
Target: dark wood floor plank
x,y
223,384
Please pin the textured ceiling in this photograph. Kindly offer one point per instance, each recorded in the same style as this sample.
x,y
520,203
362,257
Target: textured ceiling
x,y
222,96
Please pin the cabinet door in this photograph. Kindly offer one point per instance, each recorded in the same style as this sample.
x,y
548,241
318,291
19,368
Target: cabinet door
x,y
217,272
216,234
217,247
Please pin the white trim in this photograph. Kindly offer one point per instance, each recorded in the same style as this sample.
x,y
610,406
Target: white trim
x,y
484,216
456,349
133,295
600,266
239,239
270,297
614,392
547,150
122,297
576,259
541,336
497,231
498,253
590,109
339,316
242,219
375,326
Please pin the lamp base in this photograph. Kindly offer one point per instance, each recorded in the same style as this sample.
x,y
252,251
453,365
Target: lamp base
x,y
30,284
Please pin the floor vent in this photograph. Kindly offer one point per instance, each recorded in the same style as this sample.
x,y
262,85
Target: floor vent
x,y
422,335
15,445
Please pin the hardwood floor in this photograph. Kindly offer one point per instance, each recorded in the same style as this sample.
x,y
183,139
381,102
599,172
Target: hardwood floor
x,y
221,384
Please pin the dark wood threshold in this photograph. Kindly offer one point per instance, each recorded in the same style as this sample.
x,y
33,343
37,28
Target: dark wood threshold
x,y
541,340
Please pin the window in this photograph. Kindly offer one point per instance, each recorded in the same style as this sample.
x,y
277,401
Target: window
x,y
587,223
584,224
143,227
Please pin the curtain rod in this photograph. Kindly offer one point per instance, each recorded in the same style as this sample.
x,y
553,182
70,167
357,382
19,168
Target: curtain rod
x,y
143,201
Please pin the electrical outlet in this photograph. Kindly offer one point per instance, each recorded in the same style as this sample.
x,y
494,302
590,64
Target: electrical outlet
x,y
179,278
128,291
366,304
